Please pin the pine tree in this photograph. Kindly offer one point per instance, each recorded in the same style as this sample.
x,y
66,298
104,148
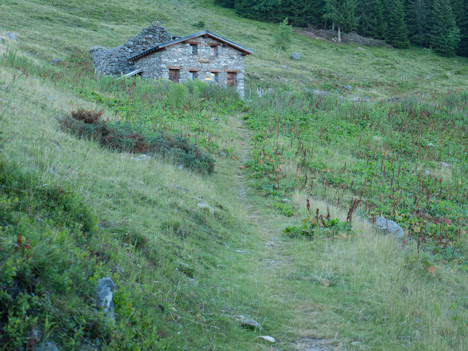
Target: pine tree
x,y
262,10
343,15
417,19
397,32
371,18
460,11
444,35
226,3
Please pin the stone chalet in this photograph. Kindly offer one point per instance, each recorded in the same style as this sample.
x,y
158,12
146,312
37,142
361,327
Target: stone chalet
x,y
155,54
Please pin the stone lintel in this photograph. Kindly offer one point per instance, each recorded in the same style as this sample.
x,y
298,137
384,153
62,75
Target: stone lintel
x,y
232,70
193,69
173,67
215,70
202,60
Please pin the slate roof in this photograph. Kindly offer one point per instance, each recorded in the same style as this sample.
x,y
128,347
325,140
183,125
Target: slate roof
x,y
188,37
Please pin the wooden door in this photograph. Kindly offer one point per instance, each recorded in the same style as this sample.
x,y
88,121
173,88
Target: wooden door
x,y
174,75
231,79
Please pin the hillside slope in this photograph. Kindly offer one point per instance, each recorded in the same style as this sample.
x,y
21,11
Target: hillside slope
x,y
191,253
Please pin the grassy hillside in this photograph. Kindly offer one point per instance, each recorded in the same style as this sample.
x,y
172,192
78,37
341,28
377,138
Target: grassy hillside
x,y
191,252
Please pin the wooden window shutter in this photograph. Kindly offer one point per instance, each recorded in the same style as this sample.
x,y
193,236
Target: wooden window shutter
x,y
231,79
174,75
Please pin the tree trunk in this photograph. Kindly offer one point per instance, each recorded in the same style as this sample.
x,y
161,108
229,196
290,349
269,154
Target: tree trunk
x,y
339,34
277,57
333,25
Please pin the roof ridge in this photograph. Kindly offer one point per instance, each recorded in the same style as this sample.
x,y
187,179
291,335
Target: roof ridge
x,y
191,36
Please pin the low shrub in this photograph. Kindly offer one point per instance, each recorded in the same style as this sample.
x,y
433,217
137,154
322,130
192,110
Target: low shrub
x,y
125,137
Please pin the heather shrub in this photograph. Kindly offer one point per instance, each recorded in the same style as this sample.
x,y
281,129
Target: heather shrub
x,y
125,137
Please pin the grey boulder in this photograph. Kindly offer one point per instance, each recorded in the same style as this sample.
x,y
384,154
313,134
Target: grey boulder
x,y
249,323
12,36
104,295
296,56
387,226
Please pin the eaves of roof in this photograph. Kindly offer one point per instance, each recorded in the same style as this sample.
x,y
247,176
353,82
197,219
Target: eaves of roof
x,y
158,47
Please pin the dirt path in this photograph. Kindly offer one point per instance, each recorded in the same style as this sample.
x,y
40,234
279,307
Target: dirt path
x,y
274,261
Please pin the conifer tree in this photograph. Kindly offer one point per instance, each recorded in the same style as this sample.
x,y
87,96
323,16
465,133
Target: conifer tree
x,y
263,10
444,35
226,3
343,15
417,20
397,32
371,18
460,11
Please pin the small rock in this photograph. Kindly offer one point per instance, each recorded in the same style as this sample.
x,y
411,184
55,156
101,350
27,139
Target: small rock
x,y
325,282
430,144
427,172
418,320
104,294
142,157
205,205
285,200
57,60
12,36
267,338
47,346
362,49
269,245
1,39
389,227
249,323
347,87
180,167
214,119
284,67
296,56
445,165
241,251
50,98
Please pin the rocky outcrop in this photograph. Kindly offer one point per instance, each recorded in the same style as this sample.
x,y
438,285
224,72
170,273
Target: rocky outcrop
x,y
115,61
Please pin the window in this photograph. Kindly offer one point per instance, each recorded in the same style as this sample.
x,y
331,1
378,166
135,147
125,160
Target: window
x,y
193,75
193,49
174,75
214,51
214,77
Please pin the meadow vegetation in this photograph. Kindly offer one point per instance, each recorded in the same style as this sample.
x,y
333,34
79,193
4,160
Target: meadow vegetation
x,y
271,215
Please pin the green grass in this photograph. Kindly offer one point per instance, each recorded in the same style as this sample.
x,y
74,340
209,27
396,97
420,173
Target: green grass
x,y
180,282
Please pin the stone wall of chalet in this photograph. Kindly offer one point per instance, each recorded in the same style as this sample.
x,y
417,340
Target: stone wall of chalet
x,y
208,67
